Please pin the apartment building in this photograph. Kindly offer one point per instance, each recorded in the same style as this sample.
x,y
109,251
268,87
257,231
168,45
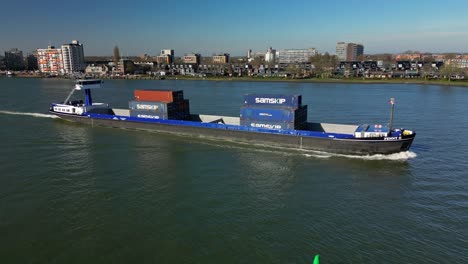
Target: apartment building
x,y
73,57
348,51
192,58
296,55
221,58
14,60
50,60
166,56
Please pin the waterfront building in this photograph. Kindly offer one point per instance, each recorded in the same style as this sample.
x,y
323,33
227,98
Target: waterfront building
x,y
341,48
169,52
2,63
460,61
73,57
31,62
14,60
221,59
192,58
50,60
348,51
438,57
409,56
166,56
288,56
356,50
164,59
249,54
270,55
94,69
125,66
148,64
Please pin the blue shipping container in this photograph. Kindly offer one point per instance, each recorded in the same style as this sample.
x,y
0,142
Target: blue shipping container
x,y
159,107
280,100
267,125
274,114
155,115
148,114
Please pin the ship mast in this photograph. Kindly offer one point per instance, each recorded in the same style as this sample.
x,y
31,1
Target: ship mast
x,y
392,108
69,95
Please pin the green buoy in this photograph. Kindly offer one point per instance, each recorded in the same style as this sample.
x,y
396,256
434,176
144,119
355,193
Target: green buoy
x,y
317,259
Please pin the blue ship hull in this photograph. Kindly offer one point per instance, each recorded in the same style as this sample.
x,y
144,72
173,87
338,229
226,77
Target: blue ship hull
x,y
315,140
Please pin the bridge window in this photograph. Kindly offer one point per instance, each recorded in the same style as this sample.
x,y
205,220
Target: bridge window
x,y
89,82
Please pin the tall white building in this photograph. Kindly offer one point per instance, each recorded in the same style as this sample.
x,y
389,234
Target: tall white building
x,y
73,57
341,48
270,55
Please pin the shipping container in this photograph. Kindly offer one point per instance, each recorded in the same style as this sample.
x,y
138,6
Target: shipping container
x,y
155,115
160,107
174,110
148,114
276,100
159,95
267,125
274,114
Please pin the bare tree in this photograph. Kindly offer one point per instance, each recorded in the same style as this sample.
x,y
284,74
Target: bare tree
x,y
294,70
448,70
324,64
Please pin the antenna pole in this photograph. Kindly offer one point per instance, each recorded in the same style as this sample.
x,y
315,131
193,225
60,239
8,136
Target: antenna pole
x,y
392,108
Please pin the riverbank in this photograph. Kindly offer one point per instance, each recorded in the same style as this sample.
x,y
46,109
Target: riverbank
x,y
329,80
278,79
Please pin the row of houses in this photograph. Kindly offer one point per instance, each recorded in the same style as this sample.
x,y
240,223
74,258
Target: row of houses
x,y
344,68
69,59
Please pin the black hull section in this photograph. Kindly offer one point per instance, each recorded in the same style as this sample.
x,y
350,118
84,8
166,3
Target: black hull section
x,y
331,145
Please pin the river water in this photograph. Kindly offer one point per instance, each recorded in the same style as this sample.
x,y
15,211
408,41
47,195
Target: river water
x,y
72,193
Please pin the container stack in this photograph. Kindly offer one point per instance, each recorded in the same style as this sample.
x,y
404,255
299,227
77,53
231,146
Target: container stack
x,y
160,104
273,111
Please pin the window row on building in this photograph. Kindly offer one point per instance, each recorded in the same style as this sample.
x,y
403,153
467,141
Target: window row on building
x,y
349,51
68,59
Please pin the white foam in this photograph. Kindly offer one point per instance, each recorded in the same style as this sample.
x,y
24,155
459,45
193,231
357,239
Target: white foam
x,y
400,156
28,114
319,155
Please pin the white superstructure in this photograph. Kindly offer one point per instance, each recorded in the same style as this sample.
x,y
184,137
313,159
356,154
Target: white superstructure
x,y
78,107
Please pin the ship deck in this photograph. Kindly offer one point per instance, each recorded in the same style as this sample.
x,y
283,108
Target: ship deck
x,y
231,120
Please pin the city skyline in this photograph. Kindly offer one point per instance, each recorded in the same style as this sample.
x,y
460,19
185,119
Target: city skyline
x,y
207,27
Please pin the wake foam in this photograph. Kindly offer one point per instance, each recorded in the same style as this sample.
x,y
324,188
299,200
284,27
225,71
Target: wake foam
x,y
27,114
400,156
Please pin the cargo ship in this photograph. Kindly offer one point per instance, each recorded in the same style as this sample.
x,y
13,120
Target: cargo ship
x,y
267,119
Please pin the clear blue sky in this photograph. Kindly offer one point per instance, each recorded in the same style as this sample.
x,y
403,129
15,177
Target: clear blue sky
x,y
207,26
